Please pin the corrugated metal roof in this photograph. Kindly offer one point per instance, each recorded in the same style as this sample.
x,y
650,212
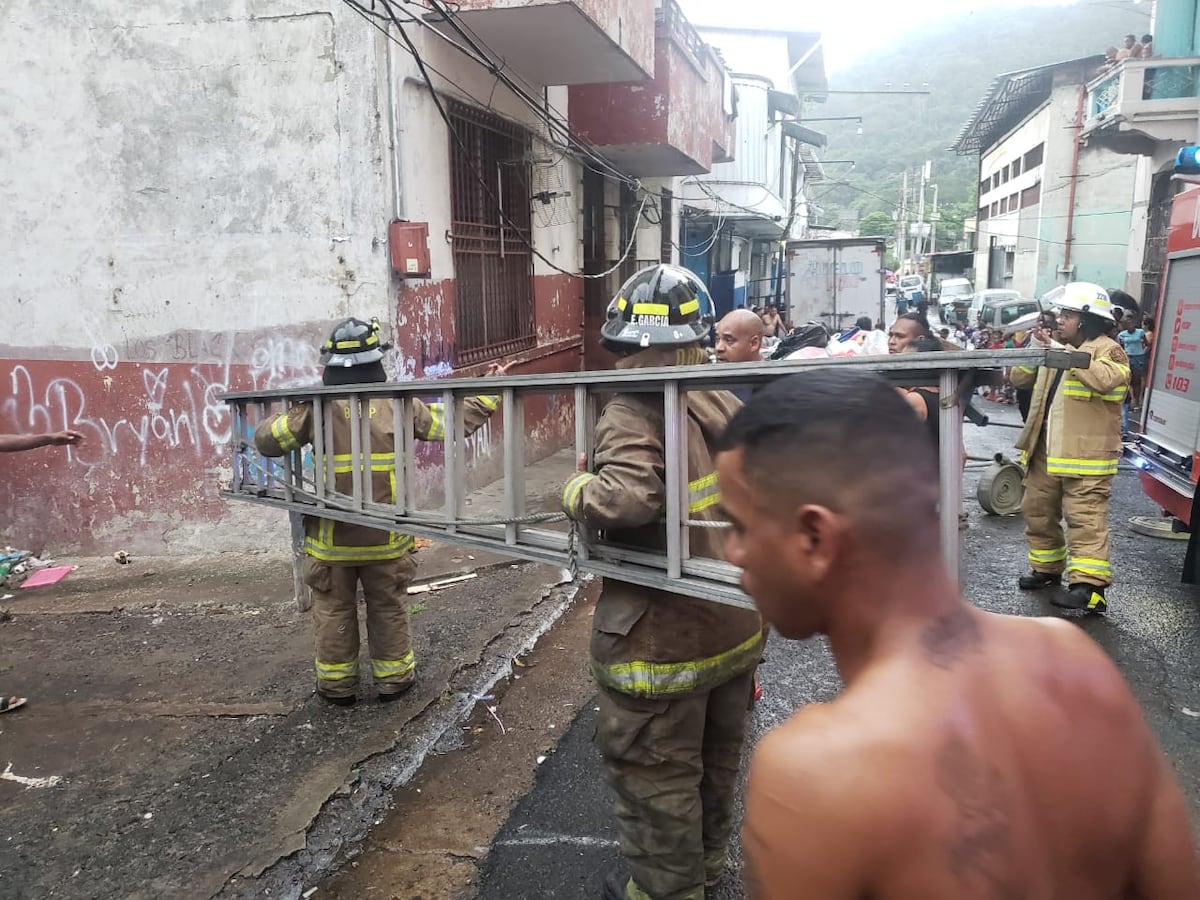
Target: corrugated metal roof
x,y
1011,98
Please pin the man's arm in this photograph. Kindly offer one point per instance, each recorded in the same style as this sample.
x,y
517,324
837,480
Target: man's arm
x,y
430,420
1167,868
628,489
803,835
12,443
284,432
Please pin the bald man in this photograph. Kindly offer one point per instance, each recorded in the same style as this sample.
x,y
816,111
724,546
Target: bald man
x,y
739,337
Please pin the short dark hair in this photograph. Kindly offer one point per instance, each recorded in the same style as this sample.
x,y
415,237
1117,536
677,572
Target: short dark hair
x,y
921,320
1093,325
814,437
1147,38
863,323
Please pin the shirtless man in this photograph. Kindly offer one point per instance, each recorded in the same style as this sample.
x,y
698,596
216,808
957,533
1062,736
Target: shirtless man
x,y
739,337
936,774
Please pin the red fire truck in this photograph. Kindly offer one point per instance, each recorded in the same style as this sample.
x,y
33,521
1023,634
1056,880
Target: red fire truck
x,y
1168,450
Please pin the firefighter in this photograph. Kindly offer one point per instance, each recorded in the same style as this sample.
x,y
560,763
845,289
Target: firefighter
x,y
674,673
1071,443
338,555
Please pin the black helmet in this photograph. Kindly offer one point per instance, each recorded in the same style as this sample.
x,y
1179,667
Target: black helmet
x,y
660,306
353,343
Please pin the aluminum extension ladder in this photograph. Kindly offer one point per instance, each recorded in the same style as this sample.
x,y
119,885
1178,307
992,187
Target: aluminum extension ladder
x,y
288,484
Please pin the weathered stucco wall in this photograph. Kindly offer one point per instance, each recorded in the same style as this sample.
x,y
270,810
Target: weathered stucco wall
x,y
193,192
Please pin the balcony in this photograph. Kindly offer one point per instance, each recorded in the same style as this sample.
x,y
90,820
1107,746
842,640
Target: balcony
x,y
678,123
565,41
1144,103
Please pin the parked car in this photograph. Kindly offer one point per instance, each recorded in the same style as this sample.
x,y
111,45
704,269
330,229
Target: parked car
x,y
1002,313
954,300
991,295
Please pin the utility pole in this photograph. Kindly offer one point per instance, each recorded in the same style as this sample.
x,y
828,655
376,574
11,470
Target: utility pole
x,y
934,218
919,243
902,225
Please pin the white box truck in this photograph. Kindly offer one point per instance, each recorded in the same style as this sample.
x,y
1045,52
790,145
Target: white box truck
x,y
835,281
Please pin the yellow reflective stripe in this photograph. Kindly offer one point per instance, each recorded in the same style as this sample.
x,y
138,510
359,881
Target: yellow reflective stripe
x,y
1028,370
1100,567
653,679
690,307
1115,396
355,344
282,434
343,463
1063,466
492,403
336,671
703,493
437,422
651,309
1058,554
574,491
622,303
323,548
391,668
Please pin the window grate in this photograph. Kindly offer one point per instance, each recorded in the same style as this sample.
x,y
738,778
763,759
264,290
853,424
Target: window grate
x,y
493,265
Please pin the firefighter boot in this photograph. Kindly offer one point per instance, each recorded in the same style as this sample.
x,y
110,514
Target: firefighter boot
x,y
1086,597
1036,581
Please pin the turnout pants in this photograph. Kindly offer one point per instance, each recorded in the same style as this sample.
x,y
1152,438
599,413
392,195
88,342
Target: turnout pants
x,y
335,623
673,765
1083,502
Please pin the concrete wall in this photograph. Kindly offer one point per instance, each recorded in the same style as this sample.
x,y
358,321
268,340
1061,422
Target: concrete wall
x,y
193,193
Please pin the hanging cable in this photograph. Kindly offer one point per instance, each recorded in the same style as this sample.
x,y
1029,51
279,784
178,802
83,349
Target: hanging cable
x,y
445,116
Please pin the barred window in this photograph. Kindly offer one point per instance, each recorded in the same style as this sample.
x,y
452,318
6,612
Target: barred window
x,y
490,233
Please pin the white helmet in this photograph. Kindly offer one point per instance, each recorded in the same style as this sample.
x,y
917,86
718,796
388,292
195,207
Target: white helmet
x,y
1085,297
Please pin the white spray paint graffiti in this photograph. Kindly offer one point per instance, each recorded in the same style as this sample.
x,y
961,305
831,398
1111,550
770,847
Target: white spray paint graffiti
x,y
171,411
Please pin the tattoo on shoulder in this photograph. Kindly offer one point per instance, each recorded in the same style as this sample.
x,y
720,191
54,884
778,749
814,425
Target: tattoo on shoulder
x,y
980,841
948,639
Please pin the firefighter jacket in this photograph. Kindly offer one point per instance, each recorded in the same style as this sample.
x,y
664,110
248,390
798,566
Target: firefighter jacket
x,y
645,642
344,542
1082,426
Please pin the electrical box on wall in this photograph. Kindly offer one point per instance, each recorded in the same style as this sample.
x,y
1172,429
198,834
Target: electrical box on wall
x,y
409,243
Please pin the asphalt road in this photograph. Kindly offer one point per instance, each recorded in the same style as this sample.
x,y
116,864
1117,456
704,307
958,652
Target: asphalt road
x,y
559,840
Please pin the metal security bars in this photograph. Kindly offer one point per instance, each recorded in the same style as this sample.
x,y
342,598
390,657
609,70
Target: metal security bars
x,y
308,486
490,230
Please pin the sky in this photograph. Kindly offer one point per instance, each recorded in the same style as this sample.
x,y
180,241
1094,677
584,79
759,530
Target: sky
x,y
851,28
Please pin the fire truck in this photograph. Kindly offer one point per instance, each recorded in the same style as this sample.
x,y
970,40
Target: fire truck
x,y
1167,452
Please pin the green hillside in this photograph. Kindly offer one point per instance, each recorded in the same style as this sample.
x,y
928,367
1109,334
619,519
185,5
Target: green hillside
x,y
956,59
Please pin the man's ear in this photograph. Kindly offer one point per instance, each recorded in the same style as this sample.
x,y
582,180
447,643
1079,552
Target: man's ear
x,y
820,532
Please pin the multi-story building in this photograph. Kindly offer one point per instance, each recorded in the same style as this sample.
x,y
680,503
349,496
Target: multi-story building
x,y
1145,109
1052,209
737,216
192,198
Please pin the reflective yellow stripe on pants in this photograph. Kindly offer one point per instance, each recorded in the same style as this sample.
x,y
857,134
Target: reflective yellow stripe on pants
x,y
336,671
703,493
1047,557
650,679
1100,568
393,668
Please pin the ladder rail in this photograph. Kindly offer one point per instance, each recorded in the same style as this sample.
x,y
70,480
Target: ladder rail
x,y
514,533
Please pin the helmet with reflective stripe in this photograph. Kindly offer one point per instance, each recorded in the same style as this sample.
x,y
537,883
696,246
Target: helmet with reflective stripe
x,y
660,306
353,343
1085,297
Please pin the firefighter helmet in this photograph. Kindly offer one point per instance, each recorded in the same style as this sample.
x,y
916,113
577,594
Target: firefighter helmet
x,y
1085,297
353,343
660,306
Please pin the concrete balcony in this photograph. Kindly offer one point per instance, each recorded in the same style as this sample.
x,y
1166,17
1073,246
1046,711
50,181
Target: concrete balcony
x,y
1143,104
565,41
678,123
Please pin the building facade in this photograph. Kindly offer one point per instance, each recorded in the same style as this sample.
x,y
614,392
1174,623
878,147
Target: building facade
x,y
194,198
1052,209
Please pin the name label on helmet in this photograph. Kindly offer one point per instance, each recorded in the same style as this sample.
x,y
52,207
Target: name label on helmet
x,y
652,320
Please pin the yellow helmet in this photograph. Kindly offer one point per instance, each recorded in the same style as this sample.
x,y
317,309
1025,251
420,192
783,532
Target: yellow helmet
x,y
1085,297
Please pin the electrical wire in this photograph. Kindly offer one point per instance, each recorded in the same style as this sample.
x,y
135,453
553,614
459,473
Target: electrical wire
x,y
437,101
552,117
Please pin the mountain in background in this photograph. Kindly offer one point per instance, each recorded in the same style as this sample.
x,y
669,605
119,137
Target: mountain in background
x,y
956,59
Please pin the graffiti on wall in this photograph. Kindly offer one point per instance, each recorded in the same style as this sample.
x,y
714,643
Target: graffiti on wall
x,y
127,409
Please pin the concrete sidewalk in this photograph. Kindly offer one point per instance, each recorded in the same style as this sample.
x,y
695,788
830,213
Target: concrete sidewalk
x,y
172,745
